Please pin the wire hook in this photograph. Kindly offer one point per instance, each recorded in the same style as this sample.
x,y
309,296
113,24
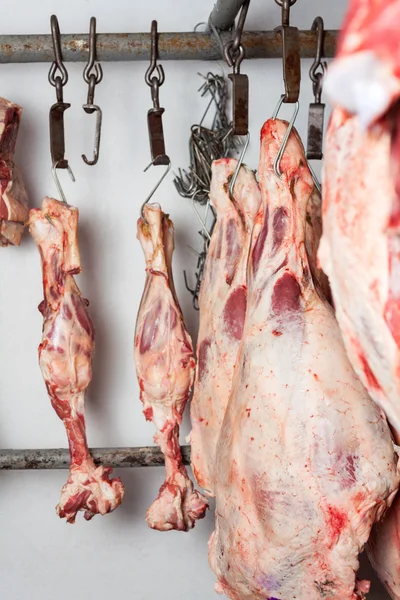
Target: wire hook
x,y
93,78
57,181
315,75
282,149
239,164
155,188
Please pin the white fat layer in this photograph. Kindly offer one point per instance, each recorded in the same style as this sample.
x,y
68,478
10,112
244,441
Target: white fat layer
x,y
362,84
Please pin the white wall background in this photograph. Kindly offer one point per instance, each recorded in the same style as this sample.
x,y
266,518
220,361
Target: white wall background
x,y
41,557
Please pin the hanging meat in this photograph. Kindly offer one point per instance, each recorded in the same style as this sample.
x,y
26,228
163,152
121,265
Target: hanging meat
x,y
65,356
365,76
13,198
165,368
305,461
222,305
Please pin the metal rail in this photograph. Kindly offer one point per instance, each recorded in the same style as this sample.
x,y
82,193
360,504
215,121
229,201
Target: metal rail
x,y
136,46
58,458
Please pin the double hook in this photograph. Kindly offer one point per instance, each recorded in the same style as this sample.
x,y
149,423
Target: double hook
x,y
93,74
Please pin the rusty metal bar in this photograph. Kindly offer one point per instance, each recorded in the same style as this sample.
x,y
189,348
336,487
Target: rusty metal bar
x,y
136,46
224,13
58,458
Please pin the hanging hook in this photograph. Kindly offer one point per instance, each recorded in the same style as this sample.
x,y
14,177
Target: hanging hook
x,y
57,81
150,73
154,78
57,181
97,133
290,53
155,188
201,221
282,148
57,135
316,111
93,74
92,63
239,164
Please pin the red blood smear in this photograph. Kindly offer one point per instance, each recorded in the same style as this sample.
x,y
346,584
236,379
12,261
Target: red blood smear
x,y
277,333
336,520
202,359
259,245
234,313
286,294
148,413
279,226
82,315
372,382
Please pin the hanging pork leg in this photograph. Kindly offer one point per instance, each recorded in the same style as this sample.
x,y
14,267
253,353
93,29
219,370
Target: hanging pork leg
x,y
65,357
165,367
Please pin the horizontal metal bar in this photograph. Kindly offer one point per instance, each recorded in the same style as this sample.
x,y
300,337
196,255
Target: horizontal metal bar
x,y
136,46
58,458
224,13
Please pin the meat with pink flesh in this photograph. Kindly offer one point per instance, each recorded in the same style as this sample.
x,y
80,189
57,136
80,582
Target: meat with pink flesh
x,y
360,252
222,305
65,356
365,77
13,198
165,367
305,460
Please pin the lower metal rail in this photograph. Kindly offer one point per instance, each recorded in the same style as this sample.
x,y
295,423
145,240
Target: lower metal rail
x,y
58,458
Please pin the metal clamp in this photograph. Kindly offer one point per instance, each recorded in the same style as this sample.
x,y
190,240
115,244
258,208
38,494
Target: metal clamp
x,y
155,78
57,136
317,108
290,52
93,74
234,54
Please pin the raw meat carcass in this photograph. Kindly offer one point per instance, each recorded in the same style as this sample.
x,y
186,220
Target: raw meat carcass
x,y
165,368
65,356
365,76
360,252
305,460
222,305
13,198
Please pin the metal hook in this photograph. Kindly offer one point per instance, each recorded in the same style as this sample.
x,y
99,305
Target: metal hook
x,y
282,149
315,76
58,62
155,188
57,181
92,63
97,133
239,164
153,59
203,223
286,5
240,26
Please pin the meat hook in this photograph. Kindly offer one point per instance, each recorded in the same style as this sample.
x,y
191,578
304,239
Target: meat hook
x,y
239,164
155,188
282,148
57,181
316,111
57,135
93,74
